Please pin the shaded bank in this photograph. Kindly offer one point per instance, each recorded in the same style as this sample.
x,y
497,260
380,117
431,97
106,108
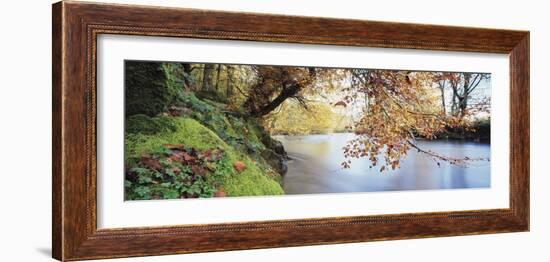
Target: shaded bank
x,y
479,131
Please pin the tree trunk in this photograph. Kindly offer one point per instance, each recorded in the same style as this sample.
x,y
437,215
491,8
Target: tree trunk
x,y
464,106
454,105
229,86
290,87
443,105
207,78
218,78
187,70
463,102
289,91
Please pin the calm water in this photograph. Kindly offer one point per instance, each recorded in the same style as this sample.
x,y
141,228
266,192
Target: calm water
x,y
315,167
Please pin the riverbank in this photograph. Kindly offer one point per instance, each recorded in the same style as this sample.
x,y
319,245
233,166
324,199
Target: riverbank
x,y
200,149
478,131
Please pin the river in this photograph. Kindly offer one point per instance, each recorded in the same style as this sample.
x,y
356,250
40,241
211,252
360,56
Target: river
x,y
315,167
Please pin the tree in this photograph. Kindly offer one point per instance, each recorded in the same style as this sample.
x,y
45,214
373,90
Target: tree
x,y
208,78
462,86
219,69
230,81
398,106
441,84
275,84
187,71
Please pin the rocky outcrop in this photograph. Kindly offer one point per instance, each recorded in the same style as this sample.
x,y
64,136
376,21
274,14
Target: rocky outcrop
x,y
276,161
275,154
148,90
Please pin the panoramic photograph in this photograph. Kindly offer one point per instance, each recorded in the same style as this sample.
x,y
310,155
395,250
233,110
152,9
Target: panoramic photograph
x,y
203,130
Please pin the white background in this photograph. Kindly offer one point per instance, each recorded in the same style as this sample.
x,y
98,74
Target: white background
x,y
25,136
113,212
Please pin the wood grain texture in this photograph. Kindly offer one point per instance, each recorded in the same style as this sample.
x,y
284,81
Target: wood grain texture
x,y
57,195
76,26
519,129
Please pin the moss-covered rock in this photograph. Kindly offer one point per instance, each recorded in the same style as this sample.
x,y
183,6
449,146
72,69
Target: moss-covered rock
x,y
150,87
254,180
273,151
233,128
148,125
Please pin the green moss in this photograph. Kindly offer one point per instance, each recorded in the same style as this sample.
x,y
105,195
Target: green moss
x,y
251,181
173,79
191,101
218,123
148,125
150,87
185,131
255,131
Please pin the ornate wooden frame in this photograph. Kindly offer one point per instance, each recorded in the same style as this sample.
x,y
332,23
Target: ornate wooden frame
x,y
75,29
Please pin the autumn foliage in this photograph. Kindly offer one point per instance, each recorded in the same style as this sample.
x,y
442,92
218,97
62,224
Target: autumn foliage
x,y
399,106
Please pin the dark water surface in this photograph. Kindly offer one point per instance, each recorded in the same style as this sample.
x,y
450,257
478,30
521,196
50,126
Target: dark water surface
x,y
315,167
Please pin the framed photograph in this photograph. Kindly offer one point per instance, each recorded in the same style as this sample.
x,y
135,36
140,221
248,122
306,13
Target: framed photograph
x,y
182,130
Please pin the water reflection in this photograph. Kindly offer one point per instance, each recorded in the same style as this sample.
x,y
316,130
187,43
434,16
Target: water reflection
x,y
315,167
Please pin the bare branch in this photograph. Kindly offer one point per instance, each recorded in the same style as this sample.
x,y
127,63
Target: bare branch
x,y
454,161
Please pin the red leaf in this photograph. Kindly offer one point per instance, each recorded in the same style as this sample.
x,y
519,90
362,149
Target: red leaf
x,y
220,193
151,163
176,157
239,166
198,170
187,157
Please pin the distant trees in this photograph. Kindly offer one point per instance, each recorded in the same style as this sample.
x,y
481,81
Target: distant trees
x,y
291,118
462,87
